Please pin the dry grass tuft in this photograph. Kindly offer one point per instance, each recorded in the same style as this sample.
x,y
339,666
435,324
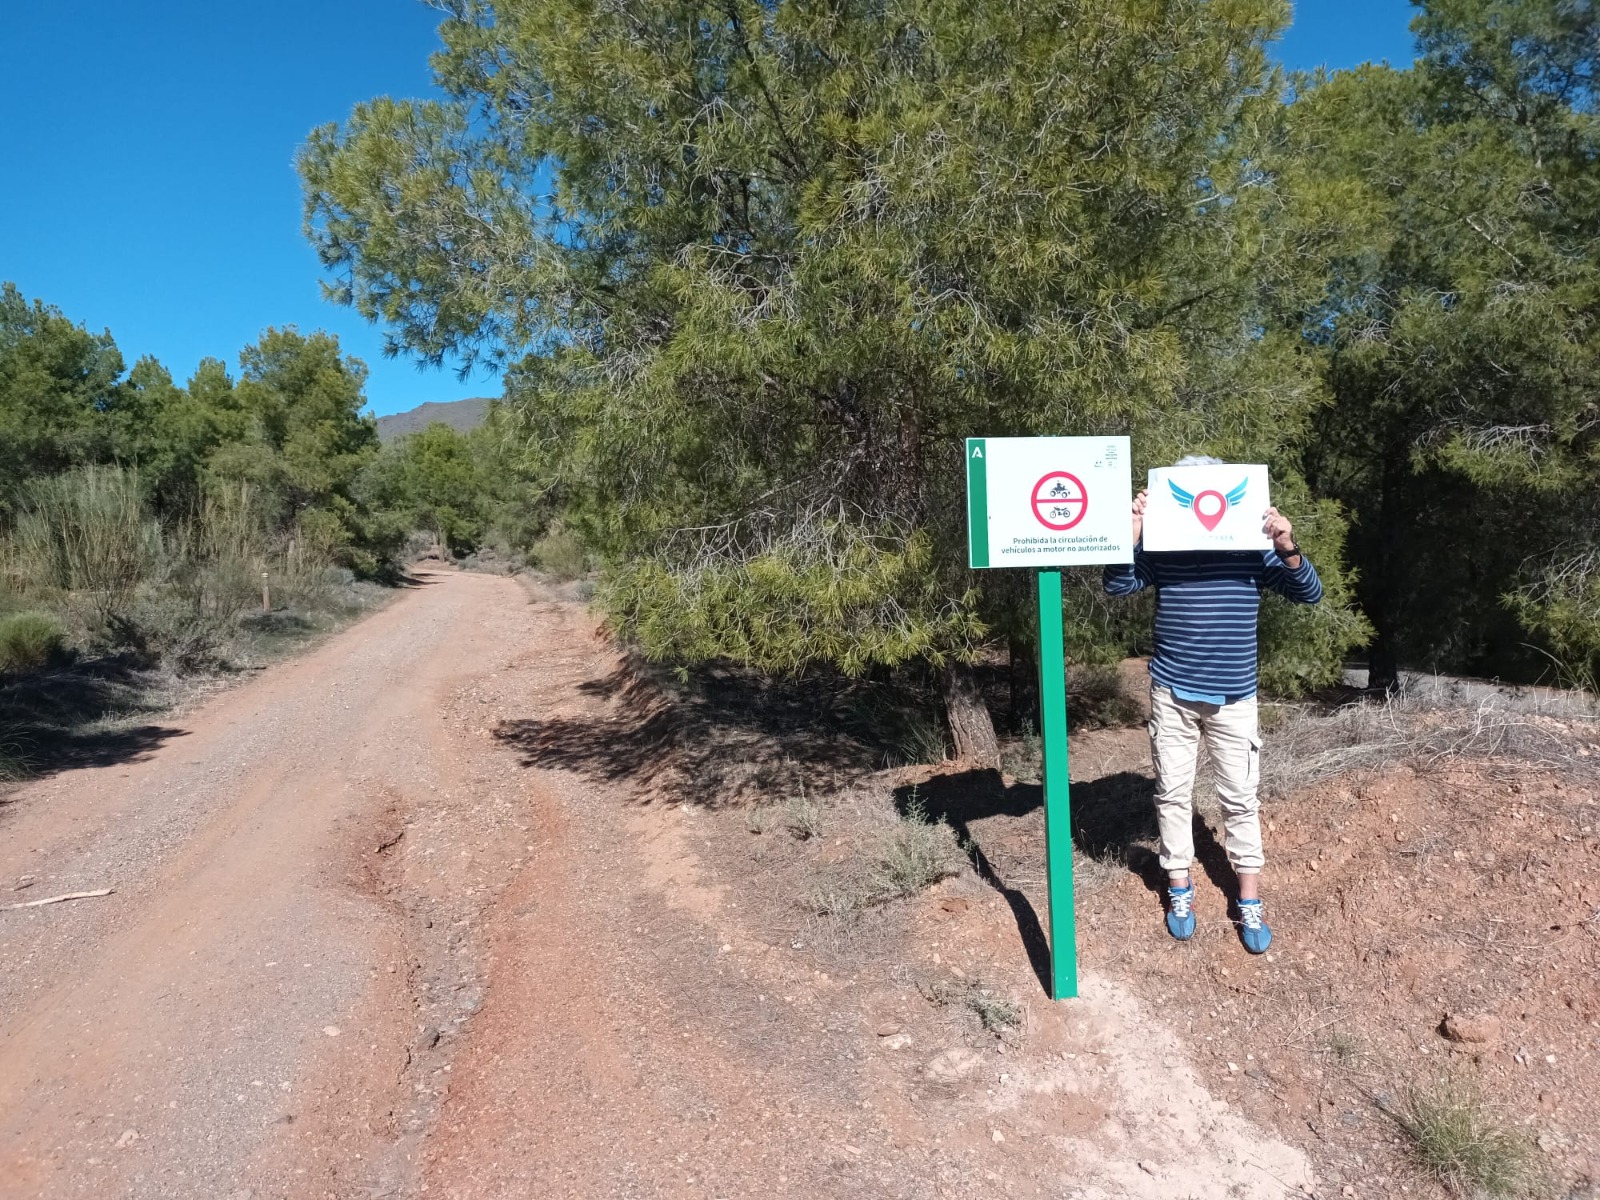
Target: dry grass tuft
x,y
915,854
1023,759
30,640
1457,1140
802,816
997,1014
900,862
1427,731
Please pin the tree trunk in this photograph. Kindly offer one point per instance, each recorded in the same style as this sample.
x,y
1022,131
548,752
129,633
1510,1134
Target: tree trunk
x,y
1383,668
970,724
1390,585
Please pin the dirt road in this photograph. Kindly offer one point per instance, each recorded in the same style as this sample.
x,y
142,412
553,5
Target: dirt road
x,y
359,946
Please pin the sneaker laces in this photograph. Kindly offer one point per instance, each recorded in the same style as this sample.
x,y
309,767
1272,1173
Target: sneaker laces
x,y
1250,914
1181,899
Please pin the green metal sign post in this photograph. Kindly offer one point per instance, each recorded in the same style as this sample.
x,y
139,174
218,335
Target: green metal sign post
x,y
1047,503
1057,789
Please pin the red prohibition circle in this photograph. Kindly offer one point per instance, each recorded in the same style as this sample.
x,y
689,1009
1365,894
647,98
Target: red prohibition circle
x,y
1053,506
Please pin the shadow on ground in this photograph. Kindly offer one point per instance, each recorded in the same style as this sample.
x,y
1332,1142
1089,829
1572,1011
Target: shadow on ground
x,y
962,799
85,715
724,735
1113,822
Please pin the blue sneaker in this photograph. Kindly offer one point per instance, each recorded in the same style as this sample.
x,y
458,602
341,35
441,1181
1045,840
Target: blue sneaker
x,y
1180,912
1253,929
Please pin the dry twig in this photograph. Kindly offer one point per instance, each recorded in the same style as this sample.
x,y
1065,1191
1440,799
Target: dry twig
x,y
59,899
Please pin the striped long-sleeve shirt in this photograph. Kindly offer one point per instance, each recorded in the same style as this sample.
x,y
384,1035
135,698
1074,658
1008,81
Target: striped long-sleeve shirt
x,y
1207,604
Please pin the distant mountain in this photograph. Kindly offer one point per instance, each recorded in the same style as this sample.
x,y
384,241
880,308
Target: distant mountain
x,y
460,415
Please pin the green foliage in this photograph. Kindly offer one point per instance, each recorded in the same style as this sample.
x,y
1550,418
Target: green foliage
x,y
57,380
465,491
834,597
1302,648
30,640
560,555
430,482
307,440
291,428
1457,206
756,269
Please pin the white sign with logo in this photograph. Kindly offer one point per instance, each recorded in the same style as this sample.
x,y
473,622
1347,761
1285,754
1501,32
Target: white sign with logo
x,y
1042,502
1207,508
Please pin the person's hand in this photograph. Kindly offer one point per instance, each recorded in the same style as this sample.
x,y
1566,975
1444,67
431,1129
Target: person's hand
x,y
1138,516
1276,526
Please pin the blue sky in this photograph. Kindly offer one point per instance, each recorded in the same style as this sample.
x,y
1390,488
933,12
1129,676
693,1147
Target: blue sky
x,y
149,185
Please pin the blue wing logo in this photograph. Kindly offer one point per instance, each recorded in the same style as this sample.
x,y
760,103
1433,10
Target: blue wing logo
x,y
1237,494
1186,499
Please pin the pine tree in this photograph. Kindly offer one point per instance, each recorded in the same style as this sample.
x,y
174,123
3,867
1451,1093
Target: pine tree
x,y
1458,331
756,269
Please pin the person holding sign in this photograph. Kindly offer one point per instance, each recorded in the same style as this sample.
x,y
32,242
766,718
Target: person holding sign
x,y
1203,684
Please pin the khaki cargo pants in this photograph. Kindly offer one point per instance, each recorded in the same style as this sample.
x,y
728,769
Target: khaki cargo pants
x,y
1233,737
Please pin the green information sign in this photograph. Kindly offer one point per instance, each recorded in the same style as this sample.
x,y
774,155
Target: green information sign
x,y
1047,503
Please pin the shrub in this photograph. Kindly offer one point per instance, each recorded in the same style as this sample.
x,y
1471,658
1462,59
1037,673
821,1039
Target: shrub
x,y
1096,696
88,532
803,816
173,593
997,1014
1024,761
916,854
30,640
1456,1139
918,738
560,555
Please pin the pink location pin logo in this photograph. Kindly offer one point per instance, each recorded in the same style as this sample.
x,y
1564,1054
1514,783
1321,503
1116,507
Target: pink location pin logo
x,y
1210,507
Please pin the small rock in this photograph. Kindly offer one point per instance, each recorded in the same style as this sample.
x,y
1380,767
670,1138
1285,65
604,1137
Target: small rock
x,y
128,1138
886,1028
428,1038
895,1041
1347,1190
1148,1167
331,1030
997,1135
1476,1029
954,1064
